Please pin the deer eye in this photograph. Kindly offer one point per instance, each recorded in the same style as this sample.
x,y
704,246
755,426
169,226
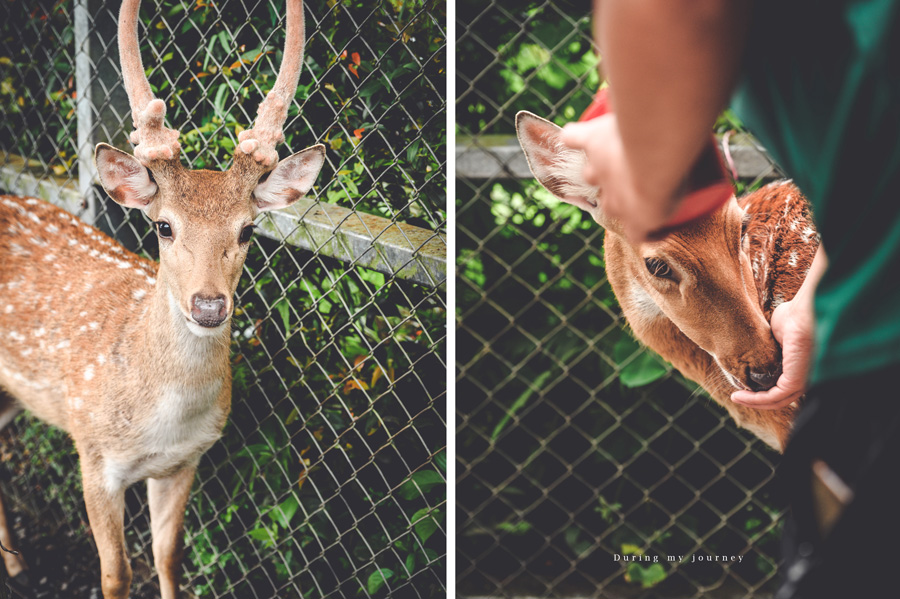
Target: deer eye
x,y
745,224
163,229
658,268
246,233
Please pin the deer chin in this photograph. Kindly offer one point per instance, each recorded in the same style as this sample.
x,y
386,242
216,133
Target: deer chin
x,y
202,331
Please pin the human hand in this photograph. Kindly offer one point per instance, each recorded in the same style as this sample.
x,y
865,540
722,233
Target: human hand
x,y
793,325
635,207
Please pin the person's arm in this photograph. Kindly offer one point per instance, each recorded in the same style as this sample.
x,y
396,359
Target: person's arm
x,y
672,65
793,325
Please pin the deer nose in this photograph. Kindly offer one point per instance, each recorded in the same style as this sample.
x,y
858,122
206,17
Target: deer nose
x,y
208,311
762,381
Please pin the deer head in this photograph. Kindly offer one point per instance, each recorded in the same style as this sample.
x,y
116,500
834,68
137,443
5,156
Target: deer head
x,y
204,219
699,276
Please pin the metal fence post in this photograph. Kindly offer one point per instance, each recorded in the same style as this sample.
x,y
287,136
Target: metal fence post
x,y
84,112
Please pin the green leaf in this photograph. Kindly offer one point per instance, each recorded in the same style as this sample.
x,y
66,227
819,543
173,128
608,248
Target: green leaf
x,y
642,369
262,534
441,460
520,402
284,310
519,528
284,511
425,522
412,150
576,542
377,579
647,576
420,483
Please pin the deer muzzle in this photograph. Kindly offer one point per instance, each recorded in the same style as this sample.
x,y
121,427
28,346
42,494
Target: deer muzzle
x,y
209,311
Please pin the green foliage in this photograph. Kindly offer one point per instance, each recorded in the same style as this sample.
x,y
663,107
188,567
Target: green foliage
x,y
546,65
648,576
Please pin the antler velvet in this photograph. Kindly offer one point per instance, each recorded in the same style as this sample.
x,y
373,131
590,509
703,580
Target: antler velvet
x,y
260,141
152,139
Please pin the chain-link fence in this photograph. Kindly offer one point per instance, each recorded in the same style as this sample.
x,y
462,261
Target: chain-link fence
x,y
587,467
330,478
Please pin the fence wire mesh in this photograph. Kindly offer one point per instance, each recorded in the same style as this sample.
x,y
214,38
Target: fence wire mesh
x,y
330,478
577,449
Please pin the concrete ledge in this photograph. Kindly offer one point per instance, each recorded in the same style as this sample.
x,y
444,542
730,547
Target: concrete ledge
x,y
501,157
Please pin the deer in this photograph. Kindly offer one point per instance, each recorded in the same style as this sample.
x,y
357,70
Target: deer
x,y
702,297
129,356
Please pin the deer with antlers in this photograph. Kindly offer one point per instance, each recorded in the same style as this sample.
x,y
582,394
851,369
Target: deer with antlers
x,y
128,356
703,296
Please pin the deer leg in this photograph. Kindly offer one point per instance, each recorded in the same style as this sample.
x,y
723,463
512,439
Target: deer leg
x,y
106,514
167,498
15,565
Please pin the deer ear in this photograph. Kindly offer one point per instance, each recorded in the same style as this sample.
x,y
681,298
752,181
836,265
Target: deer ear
x,y
556,167
126,180
290,180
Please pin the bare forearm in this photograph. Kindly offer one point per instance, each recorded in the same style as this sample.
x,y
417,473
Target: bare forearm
x,y
672,65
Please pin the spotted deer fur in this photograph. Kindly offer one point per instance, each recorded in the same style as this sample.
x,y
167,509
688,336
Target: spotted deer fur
x,y
130,356
729,271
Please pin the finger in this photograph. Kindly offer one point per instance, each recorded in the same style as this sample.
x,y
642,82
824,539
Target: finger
x,y
777,322
635,233
576,135
773,399
591,174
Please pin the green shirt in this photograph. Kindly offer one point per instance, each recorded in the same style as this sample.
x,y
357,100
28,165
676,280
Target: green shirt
x,y
820,88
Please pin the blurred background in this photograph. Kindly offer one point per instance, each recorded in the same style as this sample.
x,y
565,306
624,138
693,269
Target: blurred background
x,y
576,445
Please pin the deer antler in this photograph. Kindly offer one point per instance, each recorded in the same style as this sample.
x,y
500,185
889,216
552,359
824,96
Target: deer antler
x,y
260,141
152,139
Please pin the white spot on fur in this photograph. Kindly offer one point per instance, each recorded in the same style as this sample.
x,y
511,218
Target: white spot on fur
x,y
792,259
94,326
139,294
8,309
89,372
